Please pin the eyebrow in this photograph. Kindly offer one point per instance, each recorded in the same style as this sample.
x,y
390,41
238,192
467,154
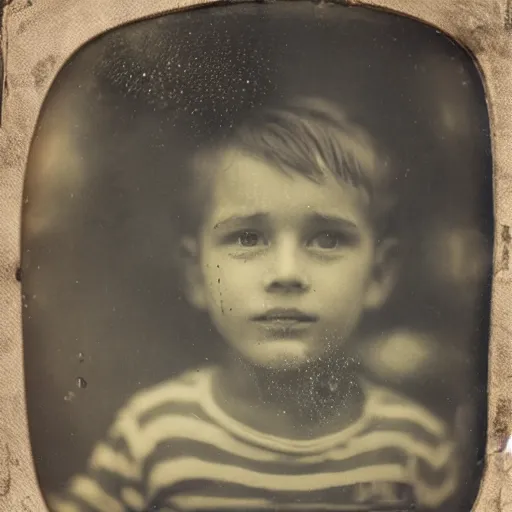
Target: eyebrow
x,y
235,220
313,218
333,220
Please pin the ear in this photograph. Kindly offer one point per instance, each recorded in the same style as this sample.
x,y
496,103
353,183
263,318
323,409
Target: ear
x,y
195,290
385,273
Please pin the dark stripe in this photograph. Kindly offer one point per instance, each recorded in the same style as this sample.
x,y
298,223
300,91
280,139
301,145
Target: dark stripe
x,y
334,495
169,408
82,505
431,476
407,427
176,448
193,410
120,446
113,483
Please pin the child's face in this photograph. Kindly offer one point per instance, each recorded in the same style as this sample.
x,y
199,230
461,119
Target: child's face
x,y
285,266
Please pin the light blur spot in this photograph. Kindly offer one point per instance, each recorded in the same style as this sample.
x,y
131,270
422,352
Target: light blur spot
x,y
401,354
56,173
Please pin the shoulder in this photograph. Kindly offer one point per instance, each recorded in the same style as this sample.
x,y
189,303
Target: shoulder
x,y
392,410
424,439
178,393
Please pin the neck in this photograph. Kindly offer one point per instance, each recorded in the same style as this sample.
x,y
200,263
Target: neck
x,y
308,394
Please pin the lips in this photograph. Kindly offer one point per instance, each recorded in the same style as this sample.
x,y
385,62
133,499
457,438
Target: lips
x,y
285,316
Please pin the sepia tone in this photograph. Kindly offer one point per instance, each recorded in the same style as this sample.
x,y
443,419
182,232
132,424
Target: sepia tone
x,y
491,47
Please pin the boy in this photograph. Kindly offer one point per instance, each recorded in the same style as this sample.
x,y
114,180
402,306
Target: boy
x,y
288,251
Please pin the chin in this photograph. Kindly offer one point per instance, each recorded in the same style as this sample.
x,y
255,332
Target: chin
x,y
280,355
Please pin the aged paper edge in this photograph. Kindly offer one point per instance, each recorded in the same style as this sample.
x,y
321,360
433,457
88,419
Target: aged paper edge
x,y
40,35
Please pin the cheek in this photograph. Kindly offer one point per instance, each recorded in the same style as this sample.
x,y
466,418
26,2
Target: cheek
x,y
228,283
346,280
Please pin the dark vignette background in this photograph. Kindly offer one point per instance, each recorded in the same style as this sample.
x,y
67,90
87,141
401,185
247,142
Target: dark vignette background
x,y
101,296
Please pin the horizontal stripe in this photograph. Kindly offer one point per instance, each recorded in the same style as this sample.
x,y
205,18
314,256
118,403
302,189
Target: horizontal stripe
x,y
432,478
409,415
144,407
173,408
133,499
167,474
105,458
209,453
119,442
213,503
92,493
181,389
413,430
207,409
76,504
62,505
436,457
409,411
110,481
186,443
339,495
175,429
124,434
273,442
175,412
207,503
434,496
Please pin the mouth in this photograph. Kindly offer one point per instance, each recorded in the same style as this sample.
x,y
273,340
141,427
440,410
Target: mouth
x,y
285,317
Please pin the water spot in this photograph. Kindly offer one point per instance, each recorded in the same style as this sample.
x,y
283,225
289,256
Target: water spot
x,y
81,357
69,397
81,382
43,69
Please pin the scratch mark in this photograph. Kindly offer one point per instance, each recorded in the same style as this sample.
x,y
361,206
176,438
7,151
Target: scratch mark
x,y
43,69
502,420
27,504
508,16
506,238
5,470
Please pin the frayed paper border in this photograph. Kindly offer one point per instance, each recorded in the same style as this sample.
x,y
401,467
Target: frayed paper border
x,y
38,37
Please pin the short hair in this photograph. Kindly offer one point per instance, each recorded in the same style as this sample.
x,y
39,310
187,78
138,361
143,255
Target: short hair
x,y
312,138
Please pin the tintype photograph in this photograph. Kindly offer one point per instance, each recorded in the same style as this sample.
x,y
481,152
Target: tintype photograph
x,y
256,266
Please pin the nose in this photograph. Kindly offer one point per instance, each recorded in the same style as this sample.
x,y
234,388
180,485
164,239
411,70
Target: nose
x,y
286,273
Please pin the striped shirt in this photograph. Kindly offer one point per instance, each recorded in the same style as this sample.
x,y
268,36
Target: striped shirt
x,y
173,448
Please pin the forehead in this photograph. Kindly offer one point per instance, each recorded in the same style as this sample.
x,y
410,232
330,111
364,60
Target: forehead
x,y
243,184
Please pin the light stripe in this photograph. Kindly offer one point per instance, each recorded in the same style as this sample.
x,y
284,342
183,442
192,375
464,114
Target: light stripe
x,y
436,457
132,498
90,492
104,457
166,474
409,411
128,430
320,507
170,427
431,496
59,505
201,393
174,390
211,408
191,429
232,437
192,502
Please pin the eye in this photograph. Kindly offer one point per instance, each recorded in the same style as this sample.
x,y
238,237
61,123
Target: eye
x,y
327,240
249,239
